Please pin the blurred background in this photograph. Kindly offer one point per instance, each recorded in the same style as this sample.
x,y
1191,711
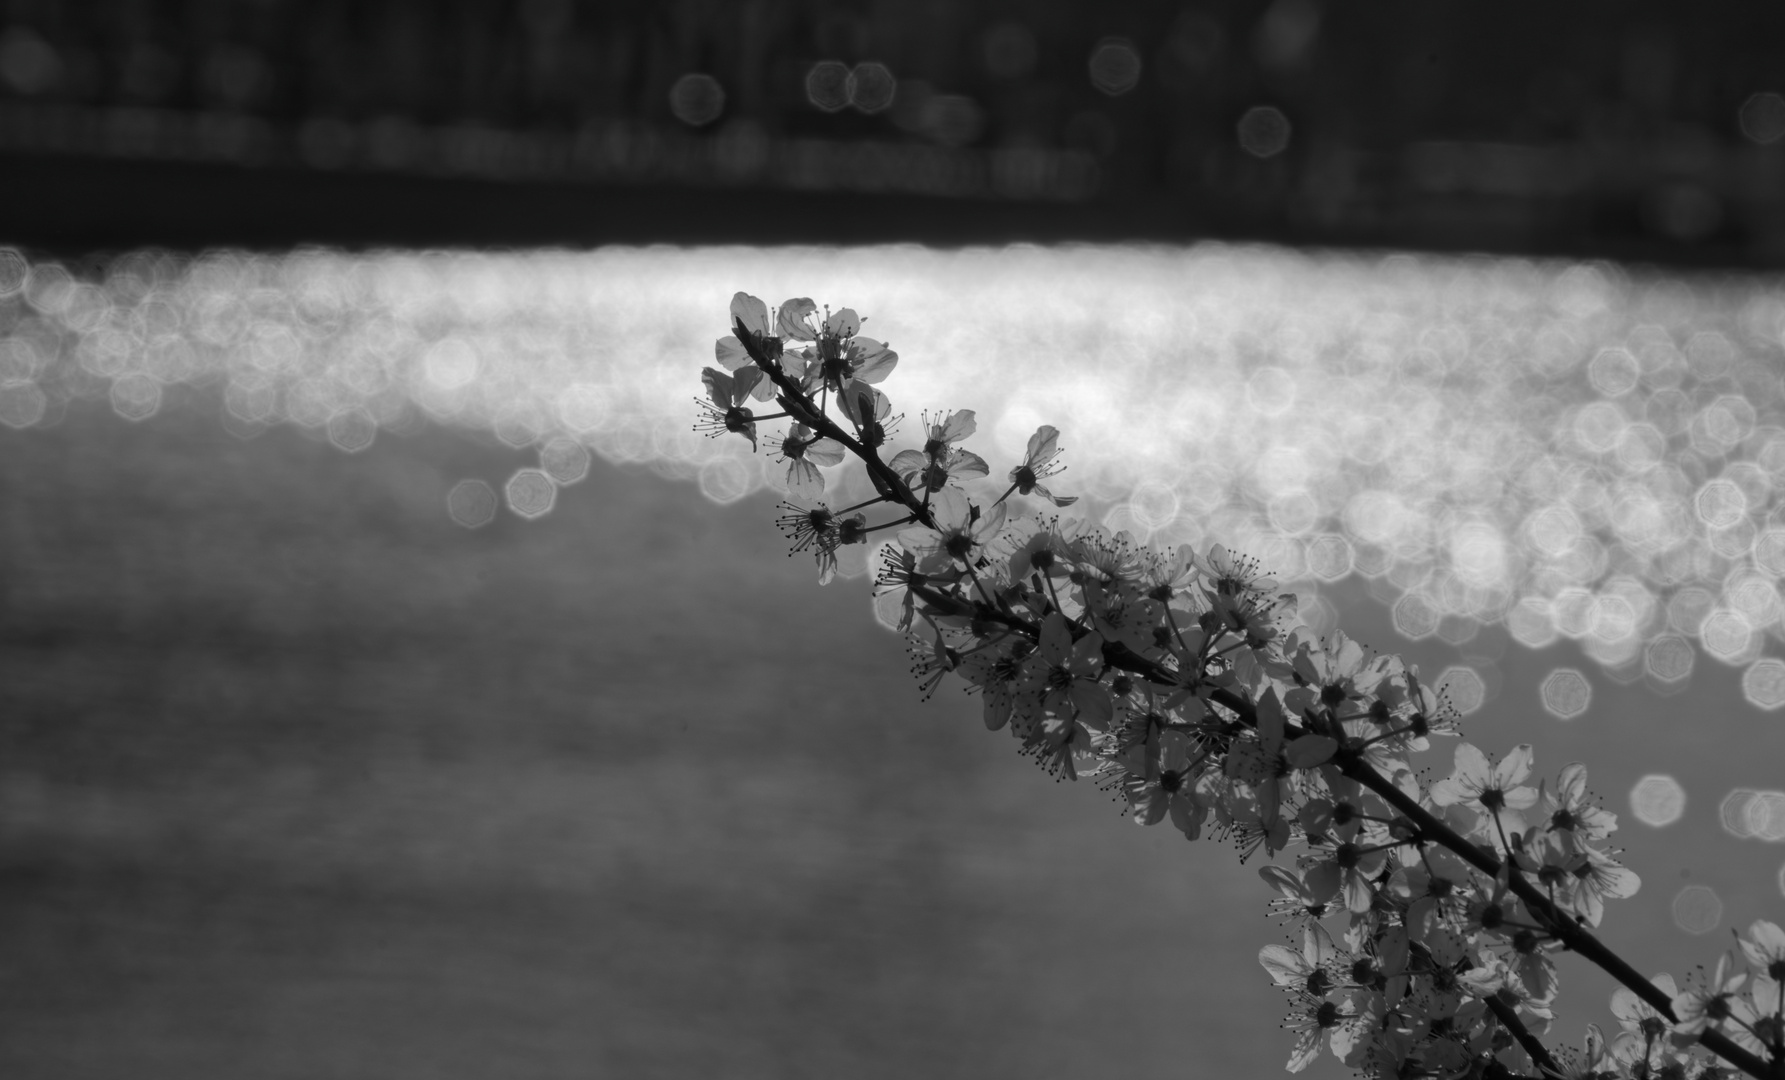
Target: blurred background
x,y
392,684
1630,129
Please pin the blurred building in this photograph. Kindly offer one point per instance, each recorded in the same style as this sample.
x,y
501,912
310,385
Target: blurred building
x,y
1635,129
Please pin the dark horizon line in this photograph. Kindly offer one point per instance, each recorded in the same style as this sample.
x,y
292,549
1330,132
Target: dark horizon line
x,y
72,207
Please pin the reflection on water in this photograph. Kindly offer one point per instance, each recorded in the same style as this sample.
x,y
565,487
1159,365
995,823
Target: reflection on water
x,y
1572,451
298,777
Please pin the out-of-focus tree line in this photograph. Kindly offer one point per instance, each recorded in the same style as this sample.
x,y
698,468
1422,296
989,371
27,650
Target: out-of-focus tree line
x,y
1519,124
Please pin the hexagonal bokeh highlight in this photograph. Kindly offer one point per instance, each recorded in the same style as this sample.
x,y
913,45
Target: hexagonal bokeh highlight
x,y
1115,66
697,99
1732,812
1669,659
1697,909
725,480
1566,693
1763,683
1766,816
872,87
1529,623
1748,814
827,86
1329,557
471,503
566,461
1720,503
1727,635
1762,117
1415,617
352,430
1463,686
519,425
21,404
135,396
531,493
1658,800
1614,372
1264,131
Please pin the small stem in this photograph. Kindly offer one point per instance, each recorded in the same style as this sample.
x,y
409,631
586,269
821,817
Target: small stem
x,y
860,505
1508,1017
906,520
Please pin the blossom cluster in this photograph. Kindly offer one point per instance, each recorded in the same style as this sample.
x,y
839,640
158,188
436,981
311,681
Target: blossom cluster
x,y
1429,915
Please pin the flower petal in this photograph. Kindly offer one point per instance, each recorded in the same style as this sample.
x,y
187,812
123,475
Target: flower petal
x,y
1056,639
719,386
1285,966
1571,784
959,425
750,311
1514,767
966,465
949,509
824,452
843,323
873,361
730,353
1472,766
1310,750
1043,445
791,321
908,462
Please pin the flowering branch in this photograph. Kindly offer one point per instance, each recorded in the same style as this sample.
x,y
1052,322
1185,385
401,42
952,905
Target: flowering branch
x,y
1167,676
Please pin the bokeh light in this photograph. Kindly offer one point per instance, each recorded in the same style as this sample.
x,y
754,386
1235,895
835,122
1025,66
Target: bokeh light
x,y
827,86
872,87
352,430
1658,800
531,493
1728,635
565,460
13,272
1763,117
1697,909
1669,659
1565,693
1766,816
1733,812
697,99
1463,687
1264,131
1763,683
1115,66
471,503
1748,814
1415,617
1570,450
